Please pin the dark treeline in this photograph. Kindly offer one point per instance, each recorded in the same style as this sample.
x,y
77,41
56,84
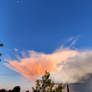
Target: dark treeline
x,y
15,89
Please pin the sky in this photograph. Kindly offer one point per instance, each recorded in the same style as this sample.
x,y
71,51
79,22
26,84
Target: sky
x,y
43,26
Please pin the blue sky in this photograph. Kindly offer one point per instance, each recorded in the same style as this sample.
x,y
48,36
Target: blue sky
x,y
42,25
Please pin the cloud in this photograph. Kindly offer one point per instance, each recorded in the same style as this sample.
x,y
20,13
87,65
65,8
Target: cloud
x,y
65,65
37,63
75,69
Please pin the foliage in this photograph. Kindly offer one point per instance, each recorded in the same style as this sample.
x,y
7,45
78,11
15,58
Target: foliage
x,y
47,85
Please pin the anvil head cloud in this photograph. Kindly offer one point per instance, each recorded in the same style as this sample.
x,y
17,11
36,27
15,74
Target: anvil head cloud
x,y
37,63
65,65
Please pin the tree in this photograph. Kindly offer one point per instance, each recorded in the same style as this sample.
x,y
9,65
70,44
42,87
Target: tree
x,y
47,85
16,89
1,46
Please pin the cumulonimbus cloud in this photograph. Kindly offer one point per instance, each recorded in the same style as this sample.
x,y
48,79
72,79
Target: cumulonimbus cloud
x,y
36,65
65,65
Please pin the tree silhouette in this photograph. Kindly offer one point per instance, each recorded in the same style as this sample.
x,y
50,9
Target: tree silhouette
x,y
16,89
47,85
1,46
2,90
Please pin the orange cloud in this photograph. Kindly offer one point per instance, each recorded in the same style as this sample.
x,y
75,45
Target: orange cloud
x,y
36,65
